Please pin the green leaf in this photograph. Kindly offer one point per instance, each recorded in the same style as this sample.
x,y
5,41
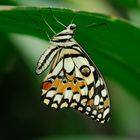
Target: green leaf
x,y
115,50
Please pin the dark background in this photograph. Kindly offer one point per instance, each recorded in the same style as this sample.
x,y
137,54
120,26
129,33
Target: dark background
x,y
24,116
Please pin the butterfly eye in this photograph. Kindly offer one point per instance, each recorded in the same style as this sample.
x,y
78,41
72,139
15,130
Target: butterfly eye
x,y
85,70
72,26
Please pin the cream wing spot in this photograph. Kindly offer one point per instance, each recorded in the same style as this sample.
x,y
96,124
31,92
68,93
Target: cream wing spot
x,y
102,121
84,91
88,109
43,91
80,108
58,98
96,100
68,94
76,97
62,73
68,64
104,92
76,61
64,105
91,92
101,100
92,68
83,101
46,101
58,68
73,104
54,105
101,106
77,72
90,79
51,93
98,119
99,116
86,113
94,112
101,81
105,112
97,83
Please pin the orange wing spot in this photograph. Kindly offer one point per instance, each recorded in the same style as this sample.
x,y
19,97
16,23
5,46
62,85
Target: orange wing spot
x,y
79,84
69,84
74,88
46,85
106,103
70,77
90,102
56,83
61,88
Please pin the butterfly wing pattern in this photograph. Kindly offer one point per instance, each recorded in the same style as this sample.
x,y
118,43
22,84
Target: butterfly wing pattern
x,y
72,78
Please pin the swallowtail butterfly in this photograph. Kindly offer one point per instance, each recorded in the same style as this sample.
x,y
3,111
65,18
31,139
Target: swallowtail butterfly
x,y
73,80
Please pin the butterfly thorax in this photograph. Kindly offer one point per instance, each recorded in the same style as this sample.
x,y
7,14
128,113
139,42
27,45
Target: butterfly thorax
x,y
65,35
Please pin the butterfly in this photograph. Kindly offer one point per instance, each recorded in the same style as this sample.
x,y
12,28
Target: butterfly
x,y
72,79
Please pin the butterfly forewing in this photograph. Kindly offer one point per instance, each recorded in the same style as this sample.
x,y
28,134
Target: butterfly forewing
x,y
73,79
47,58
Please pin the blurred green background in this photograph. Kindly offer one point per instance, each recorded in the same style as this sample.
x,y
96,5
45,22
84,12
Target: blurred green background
x,y
24,116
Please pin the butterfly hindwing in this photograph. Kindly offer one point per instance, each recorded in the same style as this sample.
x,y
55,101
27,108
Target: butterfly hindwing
x,y
101,101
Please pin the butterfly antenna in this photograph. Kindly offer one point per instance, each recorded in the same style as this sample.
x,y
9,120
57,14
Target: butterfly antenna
x,y
73,19
36,23
57,19
45,21
94,25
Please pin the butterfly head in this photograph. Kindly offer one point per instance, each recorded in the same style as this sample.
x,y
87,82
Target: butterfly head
x,y
71,27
